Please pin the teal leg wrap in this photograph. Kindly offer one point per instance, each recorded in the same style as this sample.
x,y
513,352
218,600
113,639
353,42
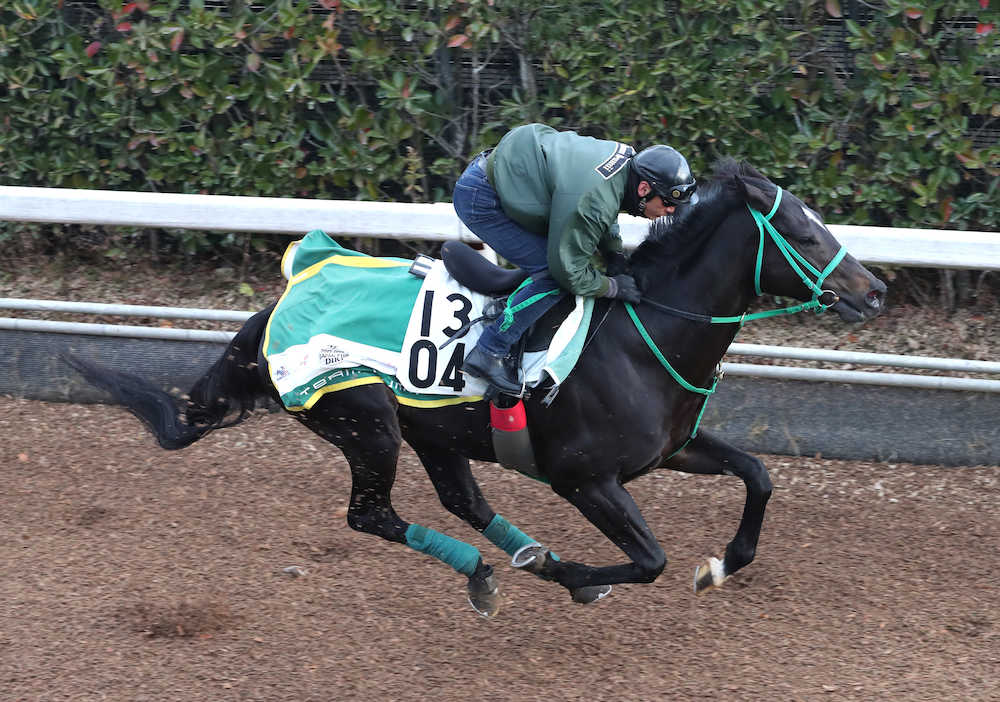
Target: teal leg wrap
x,y
460,556
507,537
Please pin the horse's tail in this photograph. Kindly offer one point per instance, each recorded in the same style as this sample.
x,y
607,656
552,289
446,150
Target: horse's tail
x,y
231,385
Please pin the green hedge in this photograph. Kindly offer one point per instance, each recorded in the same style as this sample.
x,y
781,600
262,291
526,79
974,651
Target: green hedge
x,y
884,113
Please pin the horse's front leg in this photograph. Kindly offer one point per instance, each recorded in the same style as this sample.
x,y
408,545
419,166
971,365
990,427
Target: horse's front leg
x,y
609,507
708,455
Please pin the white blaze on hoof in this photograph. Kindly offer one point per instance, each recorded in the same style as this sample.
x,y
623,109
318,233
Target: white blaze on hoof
x,y
709,575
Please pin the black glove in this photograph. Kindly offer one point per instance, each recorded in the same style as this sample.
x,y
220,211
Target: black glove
x,y
623,287
615,263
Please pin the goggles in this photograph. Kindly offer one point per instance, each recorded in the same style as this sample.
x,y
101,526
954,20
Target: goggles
x,y
682,194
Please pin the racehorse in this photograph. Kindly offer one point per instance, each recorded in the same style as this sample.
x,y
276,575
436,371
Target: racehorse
x,y
631,405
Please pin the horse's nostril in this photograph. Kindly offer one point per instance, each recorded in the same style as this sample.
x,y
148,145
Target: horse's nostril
x,y
874,299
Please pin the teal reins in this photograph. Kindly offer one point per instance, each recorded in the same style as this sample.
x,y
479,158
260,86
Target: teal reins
x,y
794,259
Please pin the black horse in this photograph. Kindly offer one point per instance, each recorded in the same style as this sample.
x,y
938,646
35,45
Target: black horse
x,y
622,413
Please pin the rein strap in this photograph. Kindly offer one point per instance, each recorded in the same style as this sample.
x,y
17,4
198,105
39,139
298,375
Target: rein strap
x,y
660,357
707,392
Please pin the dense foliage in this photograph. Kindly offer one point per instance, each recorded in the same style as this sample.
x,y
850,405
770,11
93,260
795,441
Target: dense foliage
x,y
883,112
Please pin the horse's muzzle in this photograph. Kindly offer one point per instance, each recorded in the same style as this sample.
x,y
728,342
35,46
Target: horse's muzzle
x,y
857,307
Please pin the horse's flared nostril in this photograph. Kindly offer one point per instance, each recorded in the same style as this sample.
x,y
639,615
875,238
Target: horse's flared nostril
x,y
875,299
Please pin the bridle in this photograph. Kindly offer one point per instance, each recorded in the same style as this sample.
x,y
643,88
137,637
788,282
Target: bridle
x,y
821,300
791,255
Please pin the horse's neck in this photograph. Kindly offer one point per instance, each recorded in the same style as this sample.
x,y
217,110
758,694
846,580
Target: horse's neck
x,y
719,288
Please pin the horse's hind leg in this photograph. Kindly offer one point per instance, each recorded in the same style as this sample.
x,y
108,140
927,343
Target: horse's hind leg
x,y
460,494
362,423
369,438
709,455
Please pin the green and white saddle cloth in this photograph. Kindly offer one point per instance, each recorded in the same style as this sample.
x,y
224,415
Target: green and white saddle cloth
x,y
348,319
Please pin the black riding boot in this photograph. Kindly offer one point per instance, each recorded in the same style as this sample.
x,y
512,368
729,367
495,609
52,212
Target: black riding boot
x,y
491,368
524,307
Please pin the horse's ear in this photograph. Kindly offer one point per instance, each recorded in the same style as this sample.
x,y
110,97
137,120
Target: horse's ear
x,y
759,192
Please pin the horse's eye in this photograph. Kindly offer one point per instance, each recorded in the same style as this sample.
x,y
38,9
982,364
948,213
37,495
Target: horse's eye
x,y
801,234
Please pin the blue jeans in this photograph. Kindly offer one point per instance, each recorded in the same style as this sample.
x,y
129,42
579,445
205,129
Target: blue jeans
x,y
478,206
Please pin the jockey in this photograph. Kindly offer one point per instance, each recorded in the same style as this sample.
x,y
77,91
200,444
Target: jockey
x,y
548,202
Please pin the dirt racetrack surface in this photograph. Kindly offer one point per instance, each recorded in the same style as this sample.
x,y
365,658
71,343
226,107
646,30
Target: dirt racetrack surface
x,y
132,573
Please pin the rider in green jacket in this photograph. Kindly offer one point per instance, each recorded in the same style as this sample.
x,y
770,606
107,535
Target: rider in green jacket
x,y
548,202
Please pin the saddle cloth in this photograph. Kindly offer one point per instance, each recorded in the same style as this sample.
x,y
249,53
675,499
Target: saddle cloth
x,y
348,319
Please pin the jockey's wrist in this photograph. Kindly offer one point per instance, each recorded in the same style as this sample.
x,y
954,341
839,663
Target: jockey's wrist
x,y
612,288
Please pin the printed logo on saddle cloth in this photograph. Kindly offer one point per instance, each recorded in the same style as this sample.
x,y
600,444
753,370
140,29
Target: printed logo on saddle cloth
x,y
353,320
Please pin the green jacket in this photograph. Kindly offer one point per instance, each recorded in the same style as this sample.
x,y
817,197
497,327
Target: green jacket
x,y
568,188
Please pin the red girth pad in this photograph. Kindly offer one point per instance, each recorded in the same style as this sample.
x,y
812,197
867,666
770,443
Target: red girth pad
x,y
512,419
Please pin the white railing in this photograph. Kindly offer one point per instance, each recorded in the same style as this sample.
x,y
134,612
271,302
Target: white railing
x,y
885,246
12,303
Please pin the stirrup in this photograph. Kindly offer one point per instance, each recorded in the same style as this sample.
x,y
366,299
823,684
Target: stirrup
x,y
492,392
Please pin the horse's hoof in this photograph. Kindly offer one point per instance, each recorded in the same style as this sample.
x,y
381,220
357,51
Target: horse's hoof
x,y
709,575
530,558
486,604
484,593
590,594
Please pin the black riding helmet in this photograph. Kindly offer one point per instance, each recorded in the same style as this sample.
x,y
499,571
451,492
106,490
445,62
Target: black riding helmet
x,y
668,174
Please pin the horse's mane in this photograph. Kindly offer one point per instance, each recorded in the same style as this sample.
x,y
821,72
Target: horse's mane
x,y
667,237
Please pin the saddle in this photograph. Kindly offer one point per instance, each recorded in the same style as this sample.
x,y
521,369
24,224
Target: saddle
x,y
471,269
